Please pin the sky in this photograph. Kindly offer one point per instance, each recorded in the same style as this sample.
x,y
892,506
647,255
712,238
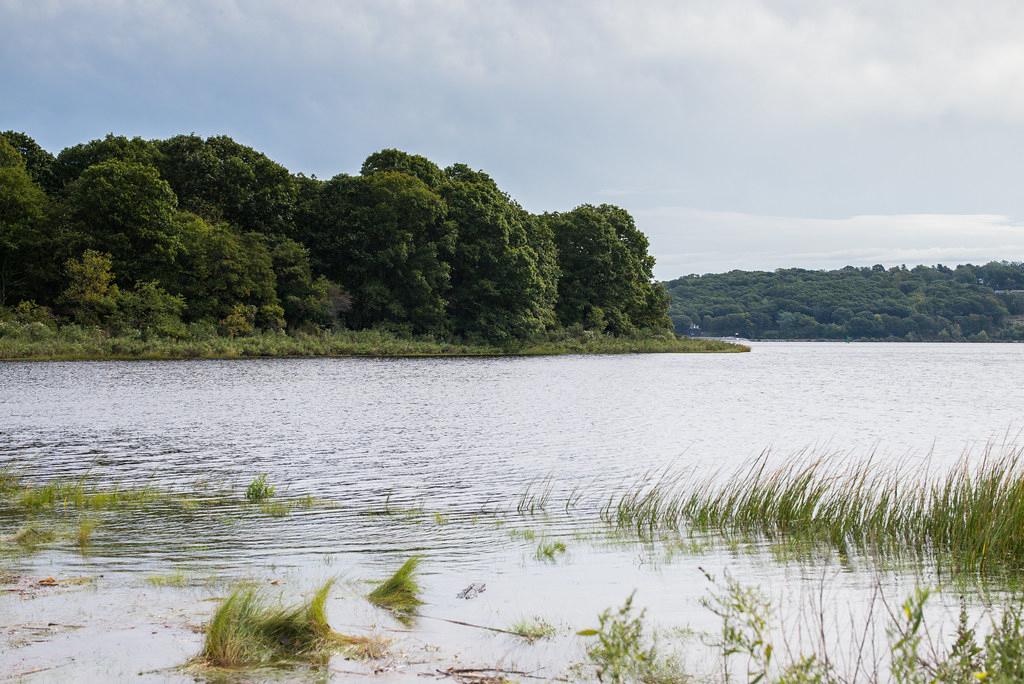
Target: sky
x,y
748,134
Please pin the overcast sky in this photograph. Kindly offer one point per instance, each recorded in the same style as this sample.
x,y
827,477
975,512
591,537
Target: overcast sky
x,y
740,134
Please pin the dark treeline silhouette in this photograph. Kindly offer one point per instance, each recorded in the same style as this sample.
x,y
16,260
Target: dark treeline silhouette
x,y
968,302
162,236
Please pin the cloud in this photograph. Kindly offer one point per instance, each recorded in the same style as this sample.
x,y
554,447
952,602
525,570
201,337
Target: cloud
x,y
695,241
745,108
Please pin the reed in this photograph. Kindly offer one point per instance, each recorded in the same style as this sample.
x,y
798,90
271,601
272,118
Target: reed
x,y
970,518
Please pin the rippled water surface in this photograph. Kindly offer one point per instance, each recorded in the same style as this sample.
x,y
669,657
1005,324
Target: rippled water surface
x,y
447,447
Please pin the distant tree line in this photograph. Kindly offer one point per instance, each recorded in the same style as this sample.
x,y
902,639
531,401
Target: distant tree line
x,y
968,302
158,236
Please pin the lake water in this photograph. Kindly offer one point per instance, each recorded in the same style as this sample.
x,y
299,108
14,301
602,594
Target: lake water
x,y
448,446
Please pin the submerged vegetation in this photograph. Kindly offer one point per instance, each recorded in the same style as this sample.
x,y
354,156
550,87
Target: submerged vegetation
x,y
246,631
190,247
400,592
549,550
32,535
969,519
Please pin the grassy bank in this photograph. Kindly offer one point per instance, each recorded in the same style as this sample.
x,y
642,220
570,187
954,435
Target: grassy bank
x,y
37,342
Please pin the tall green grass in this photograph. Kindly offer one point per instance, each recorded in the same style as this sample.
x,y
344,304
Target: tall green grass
x,y
970,517
401,591
246,631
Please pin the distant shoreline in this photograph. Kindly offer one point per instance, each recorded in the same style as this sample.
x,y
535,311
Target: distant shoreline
x,y
745,340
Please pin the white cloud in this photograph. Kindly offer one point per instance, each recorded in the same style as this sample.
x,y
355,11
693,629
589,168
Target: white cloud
x,y
695,241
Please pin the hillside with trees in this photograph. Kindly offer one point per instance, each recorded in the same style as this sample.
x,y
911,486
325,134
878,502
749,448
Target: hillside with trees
x,y
190,237
975,303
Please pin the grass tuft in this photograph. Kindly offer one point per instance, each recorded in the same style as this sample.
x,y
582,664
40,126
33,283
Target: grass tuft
x,y
177,579
245,631
401,591
533,629
259,489
32,535
83,535
549,551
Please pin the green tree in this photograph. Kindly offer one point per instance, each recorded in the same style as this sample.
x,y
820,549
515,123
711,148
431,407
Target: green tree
x,y
38,162
125,209
72,161
606,272
91,296
383,237
22,239
412,164
504,268
220,268
304,298
219,178
151,310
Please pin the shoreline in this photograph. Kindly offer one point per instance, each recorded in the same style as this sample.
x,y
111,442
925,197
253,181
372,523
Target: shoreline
x,y
358,344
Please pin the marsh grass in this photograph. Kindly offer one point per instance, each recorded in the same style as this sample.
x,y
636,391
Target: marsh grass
x,y
259,489
400,592
74,342
533,629
971,518
32,535
83,533
535,498
275,509
77,494
247,631
549,551
176,579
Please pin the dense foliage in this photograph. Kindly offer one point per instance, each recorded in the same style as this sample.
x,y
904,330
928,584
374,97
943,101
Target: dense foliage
x,y
968,302
187,236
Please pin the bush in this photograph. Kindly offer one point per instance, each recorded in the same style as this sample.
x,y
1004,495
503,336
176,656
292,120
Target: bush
x,y
240,322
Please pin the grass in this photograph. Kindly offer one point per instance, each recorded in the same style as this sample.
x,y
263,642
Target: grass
x,y
76,494
83,534
259,489
275,509
72,342
970,518
401,591
533,629
535,498
246,631
32,535
176,579
549,550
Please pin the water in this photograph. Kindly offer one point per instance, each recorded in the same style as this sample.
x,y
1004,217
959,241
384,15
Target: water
x,y
462,438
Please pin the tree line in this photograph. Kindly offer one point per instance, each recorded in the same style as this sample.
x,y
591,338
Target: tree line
x,y
164,237
967,302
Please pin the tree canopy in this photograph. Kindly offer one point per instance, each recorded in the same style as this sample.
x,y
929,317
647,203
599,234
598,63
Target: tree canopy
x,y
922,303
157,235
